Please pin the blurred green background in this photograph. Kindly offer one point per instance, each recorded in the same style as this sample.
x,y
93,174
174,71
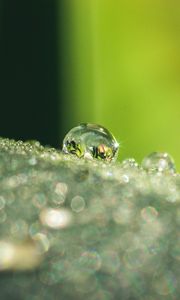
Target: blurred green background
x,y
115,63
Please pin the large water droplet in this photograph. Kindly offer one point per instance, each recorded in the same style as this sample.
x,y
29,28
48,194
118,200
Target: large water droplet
x,y
159,162
91,141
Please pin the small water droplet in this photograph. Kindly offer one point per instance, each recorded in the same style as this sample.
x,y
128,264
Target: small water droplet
x,y
78,204
90,261
159,162
32,161
129,163
55,218
149,214
34,143
91,141
125,178
42,242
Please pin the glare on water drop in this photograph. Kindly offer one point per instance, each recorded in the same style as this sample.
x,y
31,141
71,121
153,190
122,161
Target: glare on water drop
x,y
91,141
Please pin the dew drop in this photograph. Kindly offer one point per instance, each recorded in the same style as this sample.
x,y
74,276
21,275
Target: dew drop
x,y
149,214
91,141
159,162
77,204
33,143
129,163
90,261
32,161
42,242
61,188
60,192
55,218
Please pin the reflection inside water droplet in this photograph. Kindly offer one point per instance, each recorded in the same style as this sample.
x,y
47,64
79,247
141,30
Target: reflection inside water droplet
x,y
91,141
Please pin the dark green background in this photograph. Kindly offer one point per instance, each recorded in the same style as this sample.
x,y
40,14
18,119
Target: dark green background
x,y
29,66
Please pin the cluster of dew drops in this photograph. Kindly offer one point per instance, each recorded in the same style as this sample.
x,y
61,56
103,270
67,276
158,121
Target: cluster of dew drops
x,y
140,207
91,141
74,207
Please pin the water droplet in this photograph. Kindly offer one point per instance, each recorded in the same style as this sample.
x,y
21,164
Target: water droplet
x,y
42,242
33,143
55,218
91,141
77,204
129,163
32,161
149,214
61,189
60,192
125,178
90,261
159,162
